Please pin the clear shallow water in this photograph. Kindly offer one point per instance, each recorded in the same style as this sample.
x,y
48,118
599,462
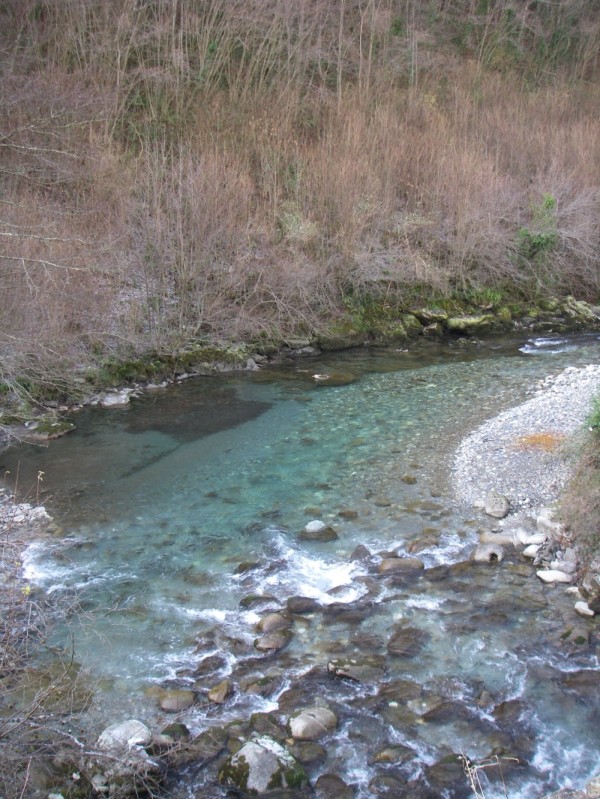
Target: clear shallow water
x,y
162,501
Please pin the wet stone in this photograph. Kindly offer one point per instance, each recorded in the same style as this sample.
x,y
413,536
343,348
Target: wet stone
x,y
448,775
304,690
247,566
219,693
509,713
395,755
209,665
267,724
272,622
259,686
176,700
322,534
360,553
425,705
349,613
273,642
348,514
330,786
407,642
575,637
312,723
308,752
202,749
257,600
399,716
302,604
176,731
400,691
382,502
388,785
363,670
392,565
586,681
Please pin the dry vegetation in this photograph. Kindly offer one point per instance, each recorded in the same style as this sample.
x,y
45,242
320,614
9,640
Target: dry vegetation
x,y
179,169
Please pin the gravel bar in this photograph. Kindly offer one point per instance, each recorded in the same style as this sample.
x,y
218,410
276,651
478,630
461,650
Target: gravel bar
x,y
526,452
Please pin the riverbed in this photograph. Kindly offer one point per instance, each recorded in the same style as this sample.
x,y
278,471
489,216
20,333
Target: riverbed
x,y
182,519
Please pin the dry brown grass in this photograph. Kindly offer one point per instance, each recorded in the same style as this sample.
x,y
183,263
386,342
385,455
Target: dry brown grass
x,y
179,169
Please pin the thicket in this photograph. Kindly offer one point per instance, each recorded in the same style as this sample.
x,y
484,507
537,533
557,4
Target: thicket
x,y
175,170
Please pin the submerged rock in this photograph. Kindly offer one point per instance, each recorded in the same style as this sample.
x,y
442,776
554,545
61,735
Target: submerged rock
x,y
302,604
365,670
307,752
261,766
330,786
407,642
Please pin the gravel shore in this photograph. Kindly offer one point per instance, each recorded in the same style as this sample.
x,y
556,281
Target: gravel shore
x,y
526,452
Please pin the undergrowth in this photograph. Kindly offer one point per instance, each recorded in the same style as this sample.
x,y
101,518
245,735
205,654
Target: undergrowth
x,y
170,171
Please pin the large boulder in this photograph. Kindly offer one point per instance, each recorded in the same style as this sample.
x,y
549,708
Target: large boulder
x,y
262,766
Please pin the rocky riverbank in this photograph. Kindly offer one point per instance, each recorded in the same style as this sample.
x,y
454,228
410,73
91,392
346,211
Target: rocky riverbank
x,y
524,457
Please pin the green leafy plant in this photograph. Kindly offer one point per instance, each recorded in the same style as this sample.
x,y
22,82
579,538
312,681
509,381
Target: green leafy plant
x,y
538,240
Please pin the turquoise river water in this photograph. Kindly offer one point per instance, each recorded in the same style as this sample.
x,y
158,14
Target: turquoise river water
x,y
161,502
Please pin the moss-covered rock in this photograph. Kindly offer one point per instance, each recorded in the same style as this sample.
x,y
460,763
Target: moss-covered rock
x,y
470,325
504,315
580,312
428,316
261,766
412,325
48,428
334,340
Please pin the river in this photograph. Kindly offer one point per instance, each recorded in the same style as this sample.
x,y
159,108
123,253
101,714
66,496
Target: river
x,y
190,501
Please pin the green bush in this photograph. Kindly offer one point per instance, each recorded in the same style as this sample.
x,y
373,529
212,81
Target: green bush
x,y
538,240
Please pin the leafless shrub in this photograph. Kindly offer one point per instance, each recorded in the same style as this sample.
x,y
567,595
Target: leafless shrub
x,y
220,169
